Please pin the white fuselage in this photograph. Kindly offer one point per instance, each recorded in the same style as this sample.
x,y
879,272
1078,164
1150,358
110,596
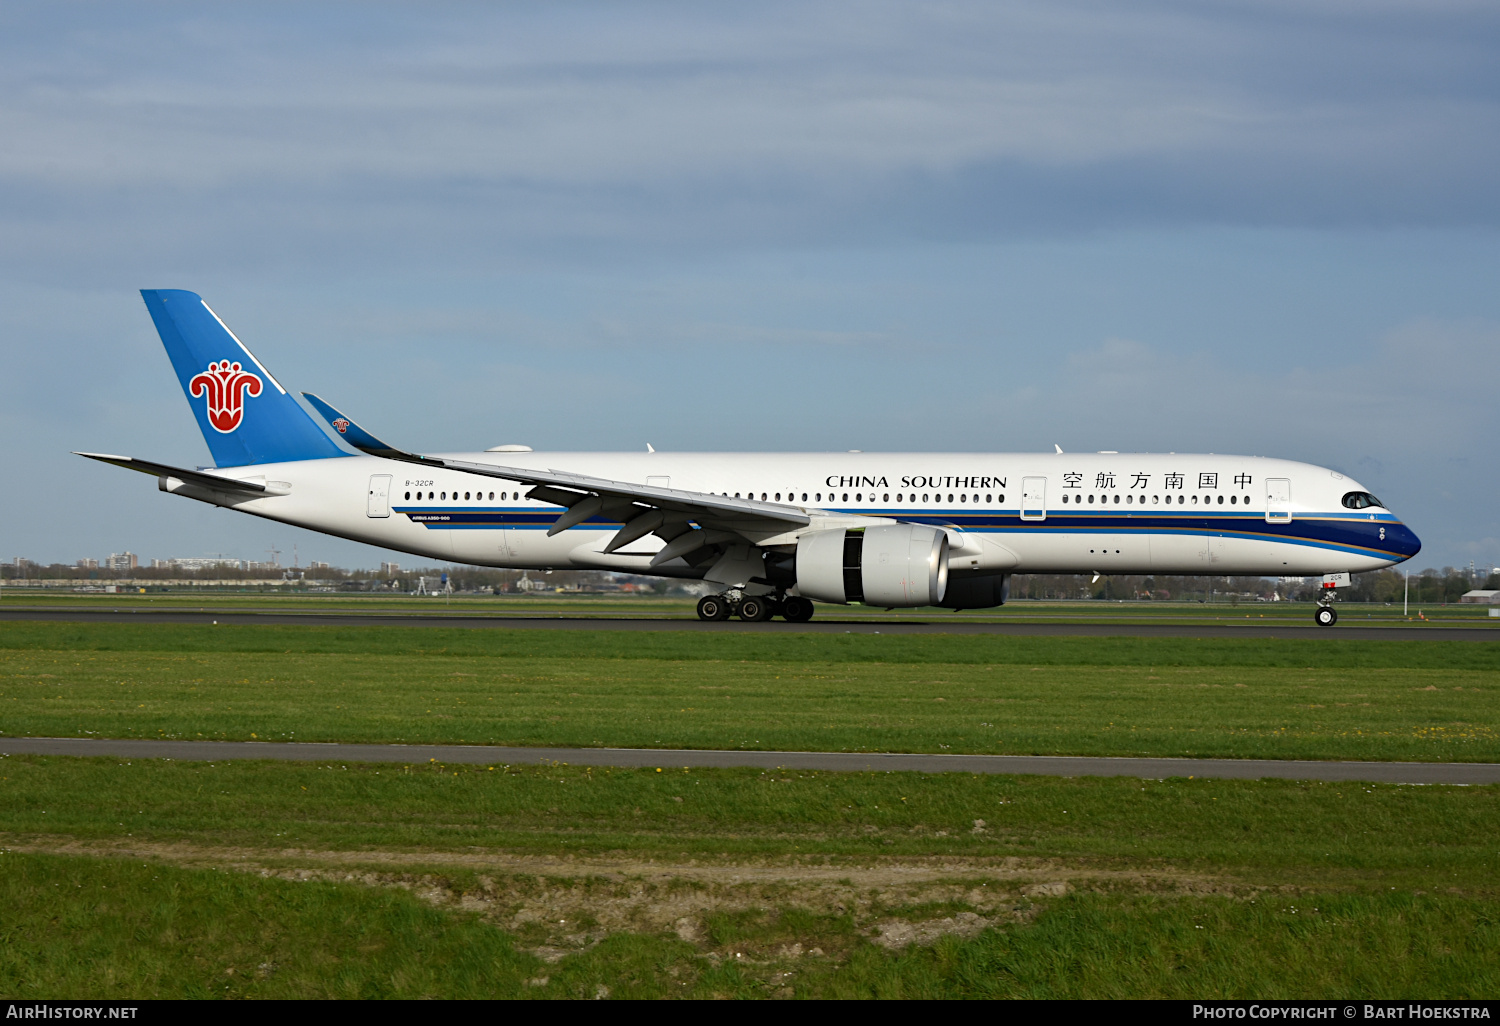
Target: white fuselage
x,y
1004,512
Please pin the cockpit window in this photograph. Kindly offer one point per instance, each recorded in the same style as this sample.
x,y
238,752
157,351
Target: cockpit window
x,y
1361,500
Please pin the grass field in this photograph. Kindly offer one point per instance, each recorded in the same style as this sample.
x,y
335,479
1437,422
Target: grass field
x,y
441,881
1318,699
131,929
138,878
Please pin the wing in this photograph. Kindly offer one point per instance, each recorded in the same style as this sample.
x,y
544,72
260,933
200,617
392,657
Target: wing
x,y
193,477
687,521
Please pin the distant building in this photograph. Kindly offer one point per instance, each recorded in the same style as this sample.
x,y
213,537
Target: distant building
x,y
87,564
122,561
192,563
387,569
1489,598
315,565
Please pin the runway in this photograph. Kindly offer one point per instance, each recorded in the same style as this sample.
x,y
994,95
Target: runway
x,y
842,762
1348,631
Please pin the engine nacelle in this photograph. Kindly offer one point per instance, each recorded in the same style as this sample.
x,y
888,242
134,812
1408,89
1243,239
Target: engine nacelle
x,y
896,565
977,592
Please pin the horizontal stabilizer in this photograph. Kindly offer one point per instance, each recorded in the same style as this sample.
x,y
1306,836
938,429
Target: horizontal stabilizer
x,y
192,477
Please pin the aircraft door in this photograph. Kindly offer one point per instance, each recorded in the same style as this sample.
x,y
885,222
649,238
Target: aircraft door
x,y
378,503
1033,498
1278,500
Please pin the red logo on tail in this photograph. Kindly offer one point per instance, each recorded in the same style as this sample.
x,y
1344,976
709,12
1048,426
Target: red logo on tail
x,y
342,425
226,385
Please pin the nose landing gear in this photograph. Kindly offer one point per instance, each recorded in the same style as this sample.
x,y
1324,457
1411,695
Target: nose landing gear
x,y
1326,616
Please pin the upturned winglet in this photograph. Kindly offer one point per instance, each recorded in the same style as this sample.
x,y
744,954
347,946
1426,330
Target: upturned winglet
x,y
359,437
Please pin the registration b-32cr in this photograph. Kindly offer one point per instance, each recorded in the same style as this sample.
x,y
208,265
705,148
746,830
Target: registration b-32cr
x,y
774,532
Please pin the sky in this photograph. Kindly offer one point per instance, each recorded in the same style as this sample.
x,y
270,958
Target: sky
x,y
1261,227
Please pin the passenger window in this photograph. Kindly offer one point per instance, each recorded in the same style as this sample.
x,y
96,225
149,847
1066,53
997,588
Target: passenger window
x,y
1221,500
804,496
950,499
963,498
924,496
1195,500
1002,497
885,498
1129,499
778,496
1065,500
1117,500
987,499
1233,499
445,496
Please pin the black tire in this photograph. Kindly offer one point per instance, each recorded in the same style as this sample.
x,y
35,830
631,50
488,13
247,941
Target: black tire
x,y
1326,616
755,609
797,609
713,607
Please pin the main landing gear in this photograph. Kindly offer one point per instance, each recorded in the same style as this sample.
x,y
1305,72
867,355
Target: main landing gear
x,y
1326,616
755,608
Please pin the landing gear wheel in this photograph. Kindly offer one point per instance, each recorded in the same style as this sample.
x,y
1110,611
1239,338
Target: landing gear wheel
x,y
755,609
797,609
713,607
1326,616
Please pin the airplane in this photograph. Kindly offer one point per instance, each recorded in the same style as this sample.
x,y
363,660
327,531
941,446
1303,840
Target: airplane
x,y
773,532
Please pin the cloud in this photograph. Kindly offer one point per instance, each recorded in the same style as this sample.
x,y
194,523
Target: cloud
x,y
286,134
990,226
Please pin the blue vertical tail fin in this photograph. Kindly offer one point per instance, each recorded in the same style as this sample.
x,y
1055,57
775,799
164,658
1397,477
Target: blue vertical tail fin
x,y
244,413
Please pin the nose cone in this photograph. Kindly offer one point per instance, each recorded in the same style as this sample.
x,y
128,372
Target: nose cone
x,y
1402,540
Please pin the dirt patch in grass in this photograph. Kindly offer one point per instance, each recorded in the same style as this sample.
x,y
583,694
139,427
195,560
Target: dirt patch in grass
x,y
753,912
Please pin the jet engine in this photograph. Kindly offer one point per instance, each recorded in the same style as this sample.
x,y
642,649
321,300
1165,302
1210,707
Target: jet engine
x,y
897,565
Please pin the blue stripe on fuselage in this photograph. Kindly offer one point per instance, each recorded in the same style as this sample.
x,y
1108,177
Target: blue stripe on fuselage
x,y
1353,533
